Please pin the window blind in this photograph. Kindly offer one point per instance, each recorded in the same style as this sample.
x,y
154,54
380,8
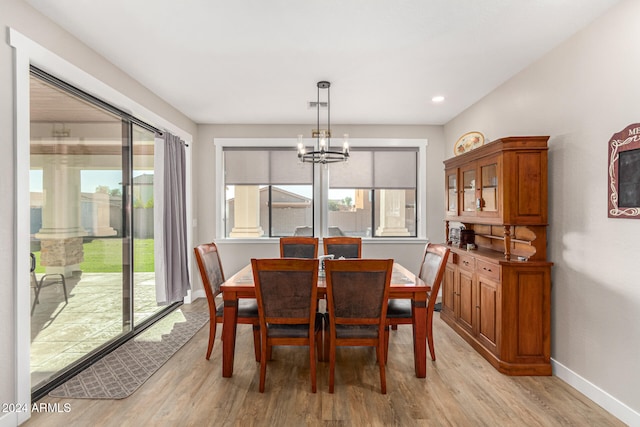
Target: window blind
x,y
244,166
376,168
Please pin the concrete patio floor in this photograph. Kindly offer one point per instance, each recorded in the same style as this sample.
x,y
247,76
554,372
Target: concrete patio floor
x,y
63,333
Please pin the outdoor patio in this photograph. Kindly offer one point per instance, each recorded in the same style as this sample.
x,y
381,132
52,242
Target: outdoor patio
x,y
62,333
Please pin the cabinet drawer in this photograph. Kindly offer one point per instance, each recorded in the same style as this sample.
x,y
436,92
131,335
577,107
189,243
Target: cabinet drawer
x,y
488,270
466,262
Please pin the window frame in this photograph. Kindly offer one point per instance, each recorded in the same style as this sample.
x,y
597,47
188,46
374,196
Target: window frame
x,y
321,181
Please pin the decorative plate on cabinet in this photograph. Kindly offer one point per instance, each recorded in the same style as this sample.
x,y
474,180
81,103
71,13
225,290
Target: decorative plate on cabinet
x,y
468,142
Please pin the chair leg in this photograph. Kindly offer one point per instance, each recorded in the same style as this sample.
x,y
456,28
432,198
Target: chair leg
x,y
332,365
212,336
62,281
312,361
383,342
319,346
386,345
64,288
326,344
33,307
256,342
38,286
269,352
381,363
263,361
432,349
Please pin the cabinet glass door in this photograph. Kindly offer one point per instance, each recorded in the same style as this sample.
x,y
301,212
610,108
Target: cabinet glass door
x,y
469,190
452,193
489,187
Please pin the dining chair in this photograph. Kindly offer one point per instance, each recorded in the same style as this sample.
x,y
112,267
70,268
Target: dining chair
x,y
298,247
212,276
287,291
46,280
434,262
343,247
357,297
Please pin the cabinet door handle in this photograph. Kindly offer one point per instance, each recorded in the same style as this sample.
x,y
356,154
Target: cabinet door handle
x,y
465,262
486,269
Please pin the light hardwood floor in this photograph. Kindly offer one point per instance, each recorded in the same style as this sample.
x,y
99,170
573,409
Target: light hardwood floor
x,y
461,389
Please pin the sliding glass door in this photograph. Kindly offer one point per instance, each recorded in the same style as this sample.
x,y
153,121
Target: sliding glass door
x,y
142,192
92,228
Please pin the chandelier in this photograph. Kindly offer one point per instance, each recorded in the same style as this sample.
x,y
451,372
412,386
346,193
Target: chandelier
x,y
323,153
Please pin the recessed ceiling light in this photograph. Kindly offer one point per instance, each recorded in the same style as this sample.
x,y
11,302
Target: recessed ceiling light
x,y
438,98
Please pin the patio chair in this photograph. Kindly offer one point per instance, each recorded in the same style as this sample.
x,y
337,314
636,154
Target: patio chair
x,y
46,280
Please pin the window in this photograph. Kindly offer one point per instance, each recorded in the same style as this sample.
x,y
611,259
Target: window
x,y
265,196
374,194
268,193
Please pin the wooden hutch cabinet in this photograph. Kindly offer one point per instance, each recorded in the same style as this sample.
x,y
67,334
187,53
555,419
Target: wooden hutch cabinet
x,y
497,296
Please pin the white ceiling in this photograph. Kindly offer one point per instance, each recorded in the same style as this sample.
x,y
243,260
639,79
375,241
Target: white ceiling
x,y
258,61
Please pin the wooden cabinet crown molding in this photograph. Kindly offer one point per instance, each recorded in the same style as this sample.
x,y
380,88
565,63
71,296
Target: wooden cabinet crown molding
x,y
501,145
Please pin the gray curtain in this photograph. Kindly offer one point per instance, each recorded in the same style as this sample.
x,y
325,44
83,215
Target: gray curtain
x,y
175,250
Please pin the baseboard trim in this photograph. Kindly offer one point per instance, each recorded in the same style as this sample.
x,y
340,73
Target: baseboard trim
x,y
9,419
194,295
608,402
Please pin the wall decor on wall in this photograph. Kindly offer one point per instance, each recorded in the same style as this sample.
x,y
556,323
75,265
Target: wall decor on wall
x,y
624,173
468,142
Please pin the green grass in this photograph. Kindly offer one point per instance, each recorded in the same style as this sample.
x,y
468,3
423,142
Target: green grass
x,y
105,256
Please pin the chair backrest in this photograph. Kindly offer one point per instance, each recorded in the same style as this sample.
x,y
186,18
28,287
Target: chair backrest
x,y
358,290
286,290
34,279
211,271
346,247
298,247
434,263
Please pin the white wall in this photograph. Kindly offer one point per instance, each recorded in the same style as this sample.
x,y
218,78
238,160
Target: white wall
x,y
21,17
580,94
236,254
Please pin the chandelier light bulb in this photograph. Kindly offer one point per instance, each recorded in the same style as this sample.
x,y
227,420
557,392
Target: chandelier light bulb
x,y
345,144
323,141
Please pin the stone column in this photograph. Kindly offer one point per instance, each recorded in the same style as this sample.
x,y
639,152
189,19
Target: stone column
x,y
61,233
392,213
100,216
247,212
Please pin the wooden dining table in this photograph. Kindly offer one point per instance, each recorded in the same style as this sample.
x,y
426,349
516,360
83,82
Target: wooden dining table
x,y
404,284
